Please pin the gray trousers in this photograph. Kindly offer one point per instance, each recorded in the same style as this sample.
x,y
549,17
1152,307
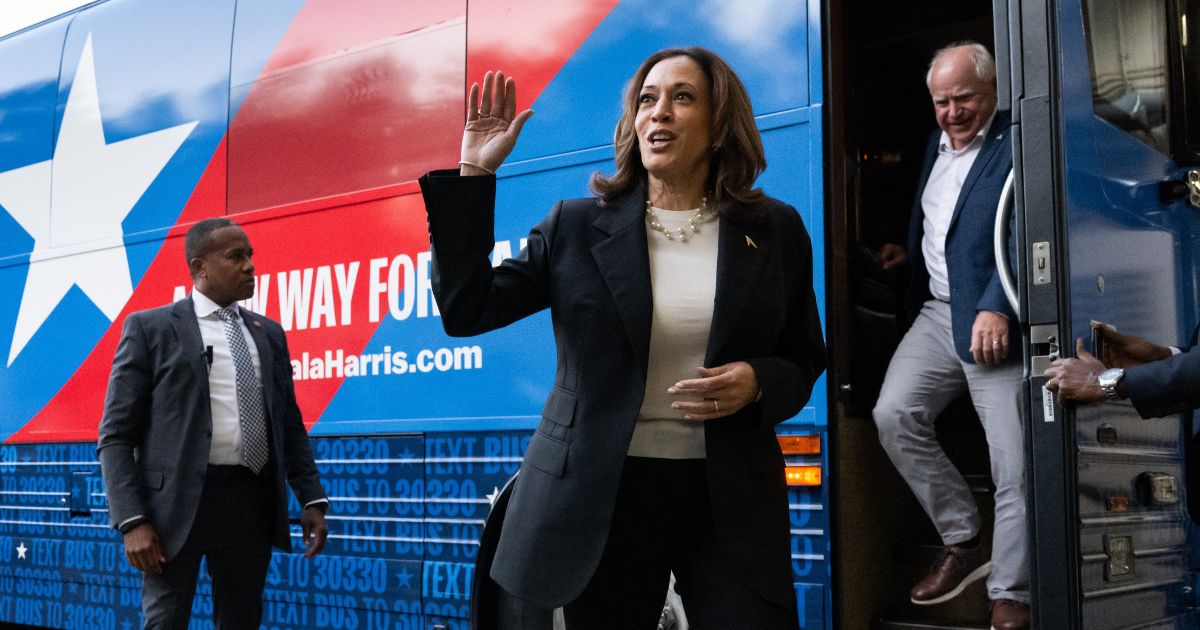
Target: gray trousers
x,y
924,377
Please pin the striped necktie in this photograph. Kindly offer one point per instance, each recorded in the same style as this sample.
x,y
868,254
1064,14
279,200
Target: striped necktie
x,y
249,394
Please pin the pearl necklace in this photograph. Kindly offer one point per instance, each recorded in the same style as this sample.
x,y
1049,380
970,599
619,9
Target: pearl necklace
x,y
682,234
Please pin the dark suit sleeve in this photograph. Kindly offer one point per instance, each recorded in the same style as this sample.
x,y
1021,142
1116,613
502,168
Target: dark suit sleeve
x,y
787,377
123,425
993,298
1165,387
472,296
297,450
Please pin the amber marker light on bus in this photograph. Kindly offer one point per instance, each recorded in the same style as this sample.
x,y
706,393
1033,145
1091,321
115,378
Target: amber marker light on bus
x,y
803,475
800,444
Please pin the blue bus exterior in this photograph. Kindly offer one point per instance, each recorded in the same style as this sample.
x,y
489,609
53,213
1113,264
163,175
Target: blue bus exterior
x,y
308,121
1120,117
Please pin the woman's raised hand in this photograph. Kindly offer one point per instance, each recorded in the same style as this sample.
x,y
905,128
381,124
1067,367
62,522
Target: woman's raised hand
x,y
492,124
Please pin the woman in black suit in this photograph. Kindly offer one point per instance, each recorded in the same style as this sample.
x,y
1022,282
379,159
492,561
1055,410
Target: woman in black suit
x,y
644,463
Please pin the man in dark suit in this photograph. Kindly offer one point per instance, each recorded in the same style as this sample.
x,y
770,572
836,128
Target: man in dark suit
x,y
1158,380
199,435
959,342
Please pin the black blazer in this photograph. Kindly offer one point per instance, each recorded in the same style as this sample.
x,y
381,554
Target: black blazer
x,y
589,264
157,425
970,261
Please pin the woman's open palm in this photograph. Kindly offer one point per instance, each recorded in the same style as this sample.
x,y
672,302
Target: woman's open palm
x,y
492,122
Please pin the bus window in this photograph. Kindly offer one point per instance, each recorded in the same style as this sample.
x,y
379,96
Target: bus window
x,y
353,97
28,87
1127,41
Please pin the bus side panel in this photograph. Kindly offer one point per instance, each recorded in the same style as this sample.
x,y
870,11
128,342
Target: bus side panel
x,y
29,65
94,220
140,113
794,143
61,565
463,476
1128,249
369,574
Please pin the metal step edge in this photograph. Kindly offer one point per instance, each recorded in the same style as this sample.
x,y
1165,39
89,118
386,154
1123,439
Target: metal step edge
x,y
887,624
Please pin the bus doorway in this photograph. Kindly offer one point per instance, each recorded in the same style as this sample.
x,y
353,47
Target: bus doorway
x,y
878,121
1105,189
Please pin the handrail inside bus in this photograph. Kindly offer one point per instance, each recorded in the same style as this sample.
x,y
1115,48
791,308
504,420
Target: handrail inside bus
x,y
1000,243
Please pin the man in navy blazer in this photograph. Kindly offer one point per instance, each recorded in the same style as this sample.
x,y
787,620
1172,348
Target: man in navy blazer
x,y
959,342
1158,380
200,435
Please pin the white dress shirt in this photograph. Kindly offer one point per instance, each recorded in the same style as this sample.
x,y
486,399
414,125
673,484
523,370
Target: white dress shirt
x,y
226,445
938,201
222,381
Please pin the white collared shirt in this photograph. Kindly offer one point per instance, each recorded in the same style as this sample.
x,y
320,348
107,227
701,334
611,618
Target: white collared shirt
x,y
938,201
222,381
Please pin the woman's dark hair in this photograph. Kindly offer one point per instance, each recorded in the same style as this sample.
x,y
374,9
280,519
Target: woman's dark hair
x,y
737,157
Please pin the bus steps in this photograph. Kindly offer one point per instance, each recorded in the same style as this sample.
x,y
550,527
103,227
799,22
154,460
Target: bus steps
x,y
969,610
934,625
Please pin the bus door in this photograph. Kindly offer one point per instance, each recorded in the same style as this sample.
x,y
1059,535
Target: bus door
x,y
1106,197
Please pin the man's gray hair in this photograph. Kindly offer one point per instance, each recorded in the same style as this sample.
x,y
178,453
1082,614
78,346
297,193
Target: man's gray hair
x,y
985,64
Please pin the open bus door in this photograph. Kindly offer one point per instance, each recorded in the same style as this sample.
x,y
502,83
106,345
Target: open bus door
x,y
1106,197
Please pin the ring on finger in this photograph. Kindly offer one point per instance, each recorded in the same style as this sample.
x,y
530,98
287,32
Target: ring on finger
x,y
716,406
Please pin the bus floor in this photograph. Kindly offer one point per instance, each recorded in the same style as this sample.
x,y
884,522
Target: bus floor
x,y
884,542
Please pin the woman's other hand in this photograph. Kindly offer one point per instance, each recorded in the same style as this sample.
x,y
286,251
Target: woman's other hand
x,y
721,391
492,125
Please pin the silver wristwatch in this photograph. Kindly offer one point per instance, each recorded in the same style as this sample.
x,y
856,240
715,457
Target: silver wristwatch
x,y
1108,382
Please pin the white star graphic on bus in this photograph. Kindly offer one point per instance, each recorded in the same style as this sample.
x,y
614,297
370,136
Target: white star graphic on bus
x,y
21,549
493,495
73,205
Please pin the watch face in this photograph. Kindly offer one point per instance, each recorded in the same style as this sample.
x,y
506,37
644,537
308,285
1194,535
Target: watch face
x,y
1110,376
1108,380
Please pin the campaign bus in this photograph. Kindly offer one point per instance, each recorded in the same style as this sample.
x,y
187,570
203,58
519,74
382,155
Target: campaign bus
x,y
123,122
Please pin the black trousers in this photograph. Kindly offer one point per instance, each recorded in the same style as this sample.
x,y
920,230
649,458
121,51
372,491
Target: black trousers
x,y
663,523
232,531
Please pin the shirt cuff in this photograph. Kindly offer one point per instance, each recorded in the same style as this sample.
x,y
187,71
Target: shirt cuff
x,y
124,526
1174,350
321,504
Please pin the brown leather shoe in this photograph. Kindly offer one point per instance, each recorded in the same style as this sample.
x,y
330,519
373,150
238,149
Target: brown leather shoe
x,y
1009,615
953,571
